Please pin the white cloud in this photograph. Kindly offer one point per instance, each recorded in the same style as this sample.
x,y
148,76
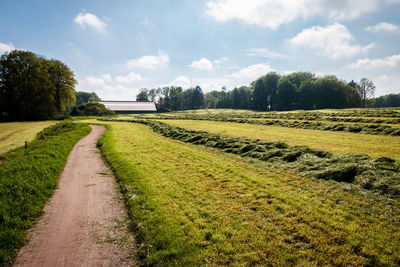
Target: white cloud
x,y
367,63
111,88
264,52
202,64
92,80
106,77
90,20
387,84
221,60
251,72
209,84
6,47
131,77
181,81
149,62
273,13
334,41
383,27
206,84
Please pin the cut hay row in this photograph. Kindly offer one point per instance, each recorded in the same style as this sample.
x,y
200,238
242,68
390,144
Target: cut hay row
x,y
191,205
378,175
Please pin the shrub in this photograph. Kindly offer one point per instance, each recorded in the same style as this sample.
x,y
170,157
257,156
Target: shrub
x,y
91,109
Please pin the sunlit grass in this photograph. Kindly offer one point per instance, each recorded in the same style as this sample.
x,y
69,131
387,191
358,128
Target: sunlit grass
x,y
338,143
195,206
14,134
28,178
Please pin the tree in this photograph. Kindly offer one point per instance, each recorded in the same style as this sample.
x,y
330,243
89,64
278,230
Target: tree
x,y
26,90
64,84
176,98
286,94
143,95
85,97
197,98
366,90
307,94
264,91
259,95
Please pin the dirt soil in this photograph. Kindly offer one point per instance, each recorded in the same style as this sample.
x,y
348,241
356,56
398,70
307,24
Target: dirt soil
x,y
85,222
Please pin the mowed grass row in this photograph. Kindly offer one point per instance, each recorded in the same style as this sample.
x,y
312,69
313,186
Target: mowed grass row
x,y
28,178
195,206
14,134
338,143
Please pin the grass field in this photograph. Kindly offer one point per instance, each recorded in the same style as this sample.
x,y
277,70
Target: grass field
x,y
336,142
196,206
14,134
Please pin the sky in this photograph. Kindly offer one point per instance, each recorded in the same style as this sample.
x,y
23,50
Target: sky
x,y
117,47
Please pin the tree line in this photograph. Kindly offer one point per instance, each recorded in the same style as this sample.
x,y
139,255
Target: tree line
x,y
299,90
33,87
391,100
170,98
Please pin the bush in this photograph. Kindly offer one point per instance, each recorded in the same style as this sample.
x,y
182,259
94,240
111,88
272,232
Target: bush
x,y
91,109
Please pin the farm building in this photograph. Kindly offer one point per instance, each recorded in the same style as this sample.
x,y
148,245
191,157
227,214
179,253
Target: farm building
x,y
128,107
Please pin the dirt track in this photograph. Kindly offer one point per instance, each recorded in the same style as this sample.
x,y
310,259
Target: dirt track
x,y
85,222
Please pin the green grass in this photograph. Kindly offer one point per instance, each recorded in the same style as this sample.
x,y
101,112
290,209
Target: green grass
x,y
195,206
14,134
338,143
28,178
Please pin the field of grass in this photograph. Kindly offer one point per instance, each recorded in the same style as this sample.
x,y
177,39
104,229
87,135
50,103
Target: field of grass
x,y
338,143
14,134
28,178
196,206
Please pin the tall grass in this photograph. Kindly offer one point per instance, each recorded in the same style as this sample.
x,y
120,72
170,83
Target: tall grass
x,y
28,178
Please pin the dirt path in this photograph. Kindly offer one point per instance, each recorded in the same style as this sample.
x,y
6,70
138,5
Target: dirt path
x,y
85,222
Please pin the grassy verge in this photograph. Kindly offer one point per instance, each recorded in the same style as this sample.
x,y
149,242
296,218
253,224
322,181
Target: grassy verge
x,y
194,206
14,134
338,143
28,178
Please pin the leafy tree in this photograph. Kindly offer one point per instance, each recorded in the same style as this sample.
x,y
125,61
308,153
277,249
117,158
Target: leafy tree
x,y
260,95
32,87
26,90
85,97
240,97
264,91
143,95
196,98
175,98
306,95
271,82
297,78
286,94
330,93
153,93
64,83
366,90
